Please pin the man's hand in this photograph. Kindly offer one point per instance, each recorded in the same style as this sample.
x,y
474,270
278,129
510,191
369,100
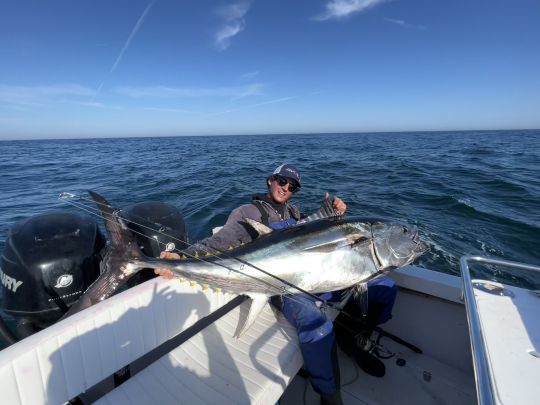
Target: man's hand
x,y
166,273
338,204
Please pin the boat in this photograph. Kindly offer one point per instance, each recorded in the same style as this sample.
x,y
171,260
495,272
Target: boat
x,y
480,342
452,340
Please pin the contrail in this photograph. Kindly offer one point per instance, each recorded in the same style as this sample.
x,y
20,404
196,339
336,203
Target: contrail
x,y
133,32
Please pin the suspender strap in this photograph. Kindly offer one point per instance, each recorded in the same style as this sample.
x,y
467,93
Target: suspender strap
x,y
265,218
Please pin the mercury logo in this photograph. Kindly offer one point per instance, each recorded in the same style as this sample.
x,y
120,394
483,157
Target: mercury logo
x,y
9,282
64,280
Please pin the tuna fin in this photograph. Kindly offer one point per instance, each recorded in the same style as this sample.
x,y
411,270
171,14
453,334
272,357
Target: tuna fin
x,y
116,269
348,241
326,211
261,229
256,305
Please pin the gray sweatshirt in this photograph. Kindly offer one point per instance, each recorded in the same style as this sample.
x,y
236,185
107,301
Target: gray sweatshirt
x,y
236,231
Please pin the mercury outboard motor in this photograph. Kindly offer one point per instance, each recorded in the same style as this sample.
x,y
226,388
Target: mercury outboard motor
x,y
156,224
48,261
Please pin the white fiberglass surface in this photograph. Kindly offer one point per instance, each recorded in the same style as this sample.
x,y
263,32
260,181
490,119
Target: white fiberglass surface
x,y
511,331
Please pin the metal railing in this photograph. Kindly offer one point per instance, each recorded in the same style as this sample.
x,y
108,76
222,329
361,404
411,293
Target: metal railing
x,y
484,385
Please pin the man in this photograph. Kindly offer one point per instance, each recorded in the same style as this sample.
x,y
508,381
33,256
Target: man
x,y
315,331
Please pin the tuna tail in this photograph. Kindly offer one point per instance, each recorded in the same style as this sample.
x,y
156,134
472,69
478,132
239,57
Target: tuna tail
x,y
116,269
124,245
121,239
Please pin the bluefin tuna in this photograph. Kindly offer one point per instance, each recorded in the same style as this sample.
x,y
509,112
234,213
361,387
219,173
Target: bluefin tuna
x,y
313,257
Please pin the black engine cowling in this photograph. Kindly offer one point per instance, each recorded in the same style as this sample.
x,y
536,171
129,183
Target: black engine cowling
x,y
155,224
48,261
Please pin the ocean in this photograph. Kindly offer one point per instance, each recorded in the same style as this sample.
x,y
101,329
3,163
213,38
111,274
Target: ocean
x,y
472,192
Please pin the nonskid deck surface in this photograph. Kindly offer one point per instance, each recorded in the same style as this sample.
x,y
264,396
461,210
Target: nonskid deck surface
x,y
422,380
76,357
215,367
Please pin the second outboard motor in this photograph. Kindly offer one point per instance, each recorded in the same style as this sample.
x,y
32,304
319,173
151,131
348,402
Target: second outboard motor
x,y
48,261
155,225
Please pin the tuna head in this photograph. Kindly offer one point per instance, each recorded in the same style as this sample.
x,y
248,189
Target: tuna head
x,y
395,245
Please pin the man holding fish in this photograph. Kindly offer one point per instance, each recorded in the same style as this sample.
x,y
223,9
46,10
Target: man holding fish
x,y
272,211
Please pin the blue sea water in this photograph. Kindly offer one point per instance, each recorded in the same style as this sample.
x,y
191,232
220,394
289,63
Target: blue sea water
x,y
475,192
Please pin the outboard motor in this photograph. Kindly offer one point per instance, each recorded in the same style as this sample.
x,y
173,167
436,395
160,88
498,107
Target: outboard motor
x,y
156,225
48,261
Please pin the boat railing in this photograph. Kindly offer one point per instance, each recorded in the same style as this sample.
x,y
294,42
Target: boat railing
x,y
484,380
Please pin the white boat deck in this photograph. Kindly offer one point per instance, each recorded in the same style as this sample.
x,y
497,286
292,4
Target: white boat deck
x,y
431,317
215,367
422,380
77,356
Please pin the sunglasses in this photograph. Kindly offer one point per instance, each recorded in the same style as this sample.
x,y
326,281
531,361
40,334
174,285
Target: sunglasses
x,y
293,187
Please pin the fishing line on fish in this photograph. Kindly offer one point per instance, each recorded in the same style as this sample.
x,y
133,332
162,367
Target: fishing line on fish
x,y
280,290
211,254
96,213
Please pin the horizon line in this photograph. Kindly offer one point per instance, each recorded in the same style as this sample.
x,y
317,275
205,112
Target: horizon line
x,y
267,134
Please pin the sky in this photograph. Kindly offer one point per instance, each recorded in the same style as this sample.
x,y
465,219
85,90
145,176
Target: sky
x,y
106,68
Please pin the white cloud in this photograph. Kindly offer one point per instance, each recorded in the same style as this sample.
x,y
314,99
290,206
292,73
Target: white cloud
x,y
234,23
185,92
404,24
249,75
234,11
173,110
336,9
255,89
91,104
274,101
38,95
226,33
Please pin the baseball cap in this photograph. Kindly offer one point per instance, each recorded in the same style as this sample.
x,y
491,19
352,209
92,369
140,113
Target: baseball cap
x,y
289,171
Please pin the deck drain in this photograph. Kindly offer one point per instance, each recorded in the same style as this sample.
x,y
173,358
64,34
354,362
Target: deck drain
x,y
427,376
